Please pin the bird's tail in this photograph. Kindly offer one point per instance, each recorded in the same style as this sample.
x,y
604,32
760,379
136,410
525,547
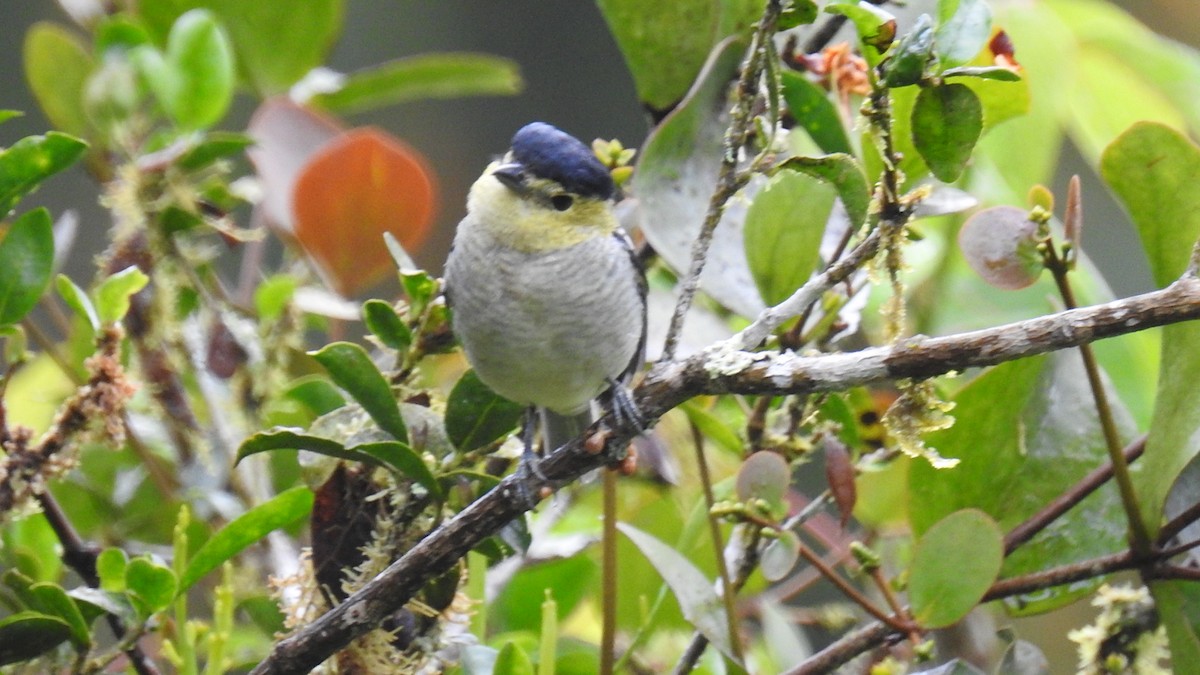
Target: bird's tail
x,y
558,429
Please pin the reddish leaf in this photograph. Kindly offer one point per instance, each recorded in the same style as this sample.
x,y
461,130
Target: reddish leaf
x,y
357,187
839,471
286,137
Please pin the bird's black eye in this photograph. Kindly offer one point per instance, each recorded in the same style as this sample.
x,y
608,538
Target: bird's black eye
x,y
562,202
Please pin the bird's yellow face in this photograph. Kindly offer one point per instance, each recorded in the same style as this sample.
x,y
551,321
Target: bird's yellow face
x,y
536,214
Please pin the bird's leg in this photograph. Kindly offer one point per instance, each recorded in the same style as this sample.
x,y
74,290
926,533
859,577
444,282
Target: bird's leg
x,y
529,468
618,401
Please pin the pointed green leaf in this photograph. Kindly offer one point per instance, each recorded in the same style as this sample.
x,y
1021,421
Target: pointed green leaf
x,y
512,660
382,320
844,173
954,564
964,27
282,510
476,415
26,635
351,369
946,122
428,76
1145,163
984,72
57,65
813,110
51,599
112,295
697,599
26,263
31,160
78,300
783,231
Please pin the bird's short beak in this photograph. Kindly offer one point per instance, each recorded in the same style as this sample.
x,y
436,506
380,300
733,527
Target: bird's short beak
x,y
512,175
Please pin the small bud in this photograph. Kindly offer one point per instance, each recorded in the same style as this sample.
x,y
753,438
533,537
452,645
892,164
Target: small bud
x,y
866,558
594,444
1073,218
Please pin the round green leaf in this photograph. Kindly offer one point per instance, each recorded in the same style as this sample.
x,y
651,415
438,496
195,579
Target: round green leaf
x,y
110,567
964,26
26,263
783,232
764,475
382,320
352,369
946,123
780,556
151,583
282,510
57,65
954,564
200,57
476,415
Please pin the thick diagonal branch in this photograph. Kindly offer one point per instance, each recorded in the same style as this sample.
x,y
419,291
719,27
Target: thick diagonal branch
x,y
725,369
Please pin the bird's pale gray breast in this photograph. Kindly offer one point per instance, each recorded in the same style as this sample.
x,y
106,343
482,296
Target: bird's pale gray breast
x,y
545,328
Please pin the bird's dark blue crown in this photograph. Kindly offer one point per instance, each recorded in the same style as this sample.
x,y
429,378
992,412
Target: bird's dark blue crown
x,y
547,152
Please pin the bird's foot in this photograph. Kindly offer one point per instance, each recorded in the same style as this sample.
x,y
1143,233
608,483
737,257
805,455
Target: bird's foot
x,y
532,485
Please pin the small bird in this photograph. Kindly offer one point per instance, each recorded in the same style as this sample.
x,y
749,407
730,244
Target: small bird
x,y
547,296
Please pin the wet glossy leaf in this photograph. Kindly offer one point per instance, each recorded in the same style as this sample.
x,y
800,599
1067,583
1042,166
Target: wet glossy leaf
x,y
351,369
1043,439
383,321
31,160
911,58
844,173
780,556
282,510
946,122
301,34
692,589
1145,163
112,295
783,231
876,27
354,189
51,599
428,76
27,634
665,44
151,583
954,564
1000,244
813,110
26,263
675,179
57,64
764,475
476,415
964,27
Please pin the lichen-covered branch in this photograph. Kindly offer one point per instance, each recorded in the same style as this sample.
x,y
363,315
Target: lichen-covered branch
x,y
724,368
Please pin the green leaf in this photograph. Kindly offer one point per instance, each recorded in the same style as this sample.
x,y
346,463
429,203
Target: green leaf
x,y
844,173
194,78
783,231
1044,439
692,589
300,35
964,27
946,122
813,110
1145,163
476,415
911,58
400,457
282,510
876,27
57,65
6,115
110,567
78,300
1170,602
428,76
273,295
51,599
797,13
31,160
512,660
26,263
213,146
382,320
954,564
113,294
713,427
153,584
665,44
518,606
26,635
351,369
316,394
984,72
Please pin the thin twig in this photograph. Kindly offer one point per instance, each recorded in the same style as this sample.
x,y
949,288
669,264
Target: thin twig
x,y
608,543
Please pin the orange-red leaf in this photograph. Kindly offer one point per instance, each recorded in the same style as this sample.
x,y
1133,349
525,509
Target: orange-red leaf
x,y
354,189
